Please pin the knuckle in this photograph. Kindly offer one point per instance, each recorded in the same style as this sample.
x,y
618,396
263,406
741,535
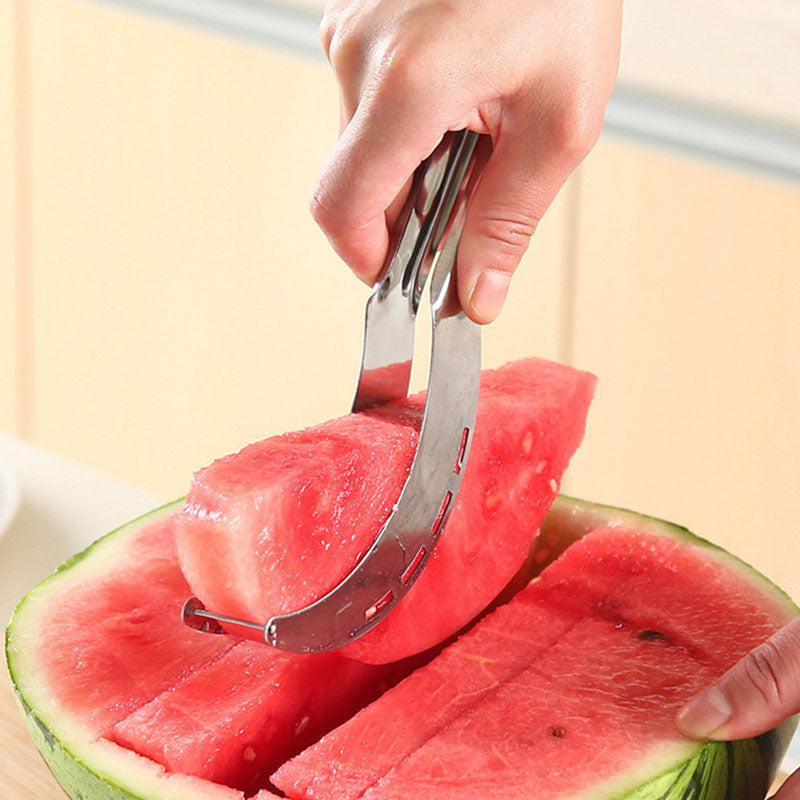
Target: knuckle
x,y
342,51
763,671
509,230
578,129
344,41
405,70
407,66
321,207
332,209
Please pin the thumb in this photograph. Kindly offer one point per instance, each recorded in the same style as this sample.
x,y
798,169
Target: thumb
x,y
528,165
756,694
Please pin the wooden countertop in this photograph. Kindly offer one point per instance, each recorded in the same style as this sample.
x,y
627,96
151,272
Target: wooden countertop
x,y
23,772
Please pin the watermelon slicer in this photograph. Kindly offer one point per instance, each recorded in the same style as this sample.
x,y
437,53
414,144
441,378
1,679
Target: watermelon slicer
x,y
424,244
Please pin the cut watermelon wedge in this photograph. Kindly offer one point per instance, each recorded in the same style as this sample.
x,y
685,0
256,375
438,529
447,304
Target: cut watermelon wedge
x,y
601,697
234,720
117,665
273,528
574,684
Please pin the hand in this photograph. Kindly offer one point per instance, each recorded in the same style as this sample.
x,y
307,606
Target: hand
x,y
757,694
533,74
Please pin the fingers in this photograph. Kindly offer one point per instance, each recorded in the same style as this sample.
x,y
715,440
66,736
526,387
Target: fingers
x,y
529,164
389,125
410,72
758,693
369,167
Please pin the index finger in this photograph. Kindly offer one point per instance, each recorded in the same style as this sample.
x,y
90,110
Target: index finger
x,y
367,169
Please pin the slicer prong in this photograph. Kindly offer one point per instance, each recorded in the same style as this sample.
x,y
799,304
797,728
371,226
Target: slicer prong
x,y
195,615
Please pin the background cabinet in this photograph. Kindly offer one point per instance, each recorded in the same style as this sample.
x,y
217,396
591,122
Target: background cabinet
x,y
687,305
171,300
8,273
183,301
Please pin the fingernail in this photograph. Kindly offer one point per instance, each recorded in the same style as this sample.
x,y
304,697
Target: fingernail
x,y
705,714
489,293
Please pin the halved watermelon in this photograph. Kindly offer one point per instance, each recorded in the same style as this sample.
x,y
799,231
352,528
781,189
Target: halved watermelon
x,y
274,527
574,684
601,650
114,664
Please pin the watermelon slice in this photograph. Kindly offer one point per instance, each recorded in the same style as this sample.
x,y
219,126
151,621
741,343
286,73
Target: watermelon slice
x,y
97,696
263,708
116,664
274,527
574,684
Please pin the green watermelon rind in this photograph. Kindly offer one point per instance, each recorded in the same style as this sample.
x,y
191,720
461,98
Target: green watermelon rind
x,y
66,760
136,778
75,778
740,770
83,782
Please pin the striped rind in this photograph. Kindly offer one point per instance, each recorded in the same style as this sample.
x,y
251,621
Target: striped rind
x,y
123,775
78,781
741,770
100,770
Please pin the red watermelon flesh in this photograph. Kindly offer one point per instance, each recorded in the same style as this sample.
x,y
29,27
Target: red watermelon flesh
x,y
428,700
275,526
116,642
537,736
238,718
628,650
118,657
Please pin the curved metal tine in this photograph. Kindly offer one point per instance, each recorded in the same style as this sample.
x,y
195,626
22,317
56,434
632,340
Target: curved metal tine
x,y
392,307
196,616
460,168
407,539
444,299
405,542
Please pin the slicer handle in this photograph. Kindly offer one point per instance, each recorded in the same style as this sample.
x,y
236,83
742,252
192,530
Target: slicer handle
x,y
424,223
426,243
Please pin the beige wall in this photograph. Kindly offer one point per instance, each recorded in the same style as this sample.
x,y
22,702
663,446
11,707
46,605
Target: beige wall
x,y
170,181
183,303
688,308
8,322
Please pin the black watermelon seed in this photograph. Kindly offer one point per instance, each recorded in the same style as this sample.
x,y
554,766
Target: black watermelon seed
x,y
557,732
651,636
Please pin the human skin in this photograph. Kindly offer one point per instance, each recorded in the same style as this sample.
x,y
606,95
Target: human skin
x,y
535,75
756,694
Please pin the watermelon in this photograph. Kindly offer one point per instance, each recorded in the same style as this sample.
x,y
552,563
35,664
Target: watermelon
x,y
567,691
574,684
274,527
118,667
264,708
